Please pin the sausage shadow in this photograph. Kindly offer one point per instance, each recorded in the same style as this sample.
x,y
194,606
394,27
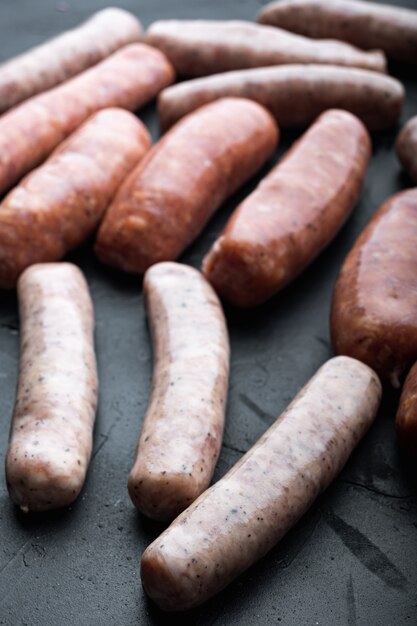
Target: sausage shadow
x,y
55,520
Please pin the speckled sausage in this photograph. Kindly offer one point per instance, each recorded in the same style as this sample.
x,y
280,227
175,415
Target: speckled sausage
x,y
406,147
295,211
200,47
66,55
294,94
406,418
169,198
374,309
51,433
60,204
183,427
28,133
247,512
364,24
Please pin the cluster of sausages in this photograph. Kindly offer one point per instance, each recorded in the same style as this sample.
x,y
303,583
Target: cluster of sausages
x,y
90,168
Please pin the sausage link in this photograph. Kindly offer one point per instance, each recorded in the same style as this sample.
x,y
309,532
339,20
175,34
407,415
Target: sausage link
x,y
57,206
200,47
51,432
168,199
66,55
293,214
28,133
294,94
406,418
374,308
250,509
183,427
363,24
406,146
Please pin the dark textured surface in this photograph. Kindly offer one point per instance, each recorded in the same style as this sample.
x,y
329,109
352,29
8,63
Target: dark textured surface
x,y
352,560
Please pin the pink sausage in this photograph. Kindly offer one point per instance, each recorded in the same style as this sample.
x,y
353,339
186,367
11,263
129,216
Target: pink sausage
x,y
250,509
390,28
295,94
59,204
128,79
66,55
183,427
52,428
201,47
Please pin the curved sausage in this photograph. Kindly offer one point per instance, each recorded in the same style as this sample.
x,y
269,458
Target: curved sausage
x,y
406,147
66,55
294,94
406,418
250,509
363,24
374,309
28,133
295,211
169,198
57,206
183,427
200,47
52,428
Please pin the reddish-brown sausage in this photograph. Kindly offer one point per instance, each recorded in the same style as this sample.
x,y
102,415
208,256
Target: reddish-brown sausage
x,y
374,310
51,435
406,418
166,202
294,212
60,204
65,56
406,146
183,427
240,518
197,48
28,133
295,94
363,24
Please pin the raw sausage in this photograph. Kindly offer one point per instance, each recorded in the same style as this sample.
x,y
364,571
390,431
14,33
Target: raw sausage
x,y
51,432
183,428
200,47
364,24
66,55
60,204
293,213
294,94
247,512
374,309
406,418
28,133
168,199
406,146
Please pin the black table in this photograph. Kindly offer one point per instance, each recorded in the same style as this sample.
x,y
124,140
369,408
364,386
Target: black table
x,y
351,560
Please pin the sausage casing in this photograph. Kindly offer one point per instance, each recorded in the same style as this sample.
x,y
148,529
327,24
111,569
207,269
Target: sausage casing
x,y
294,94
28,133
60,204
66,55
241,517
183,427
367,25
200,47
51,432
406,147
168,199
374,308
295,211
